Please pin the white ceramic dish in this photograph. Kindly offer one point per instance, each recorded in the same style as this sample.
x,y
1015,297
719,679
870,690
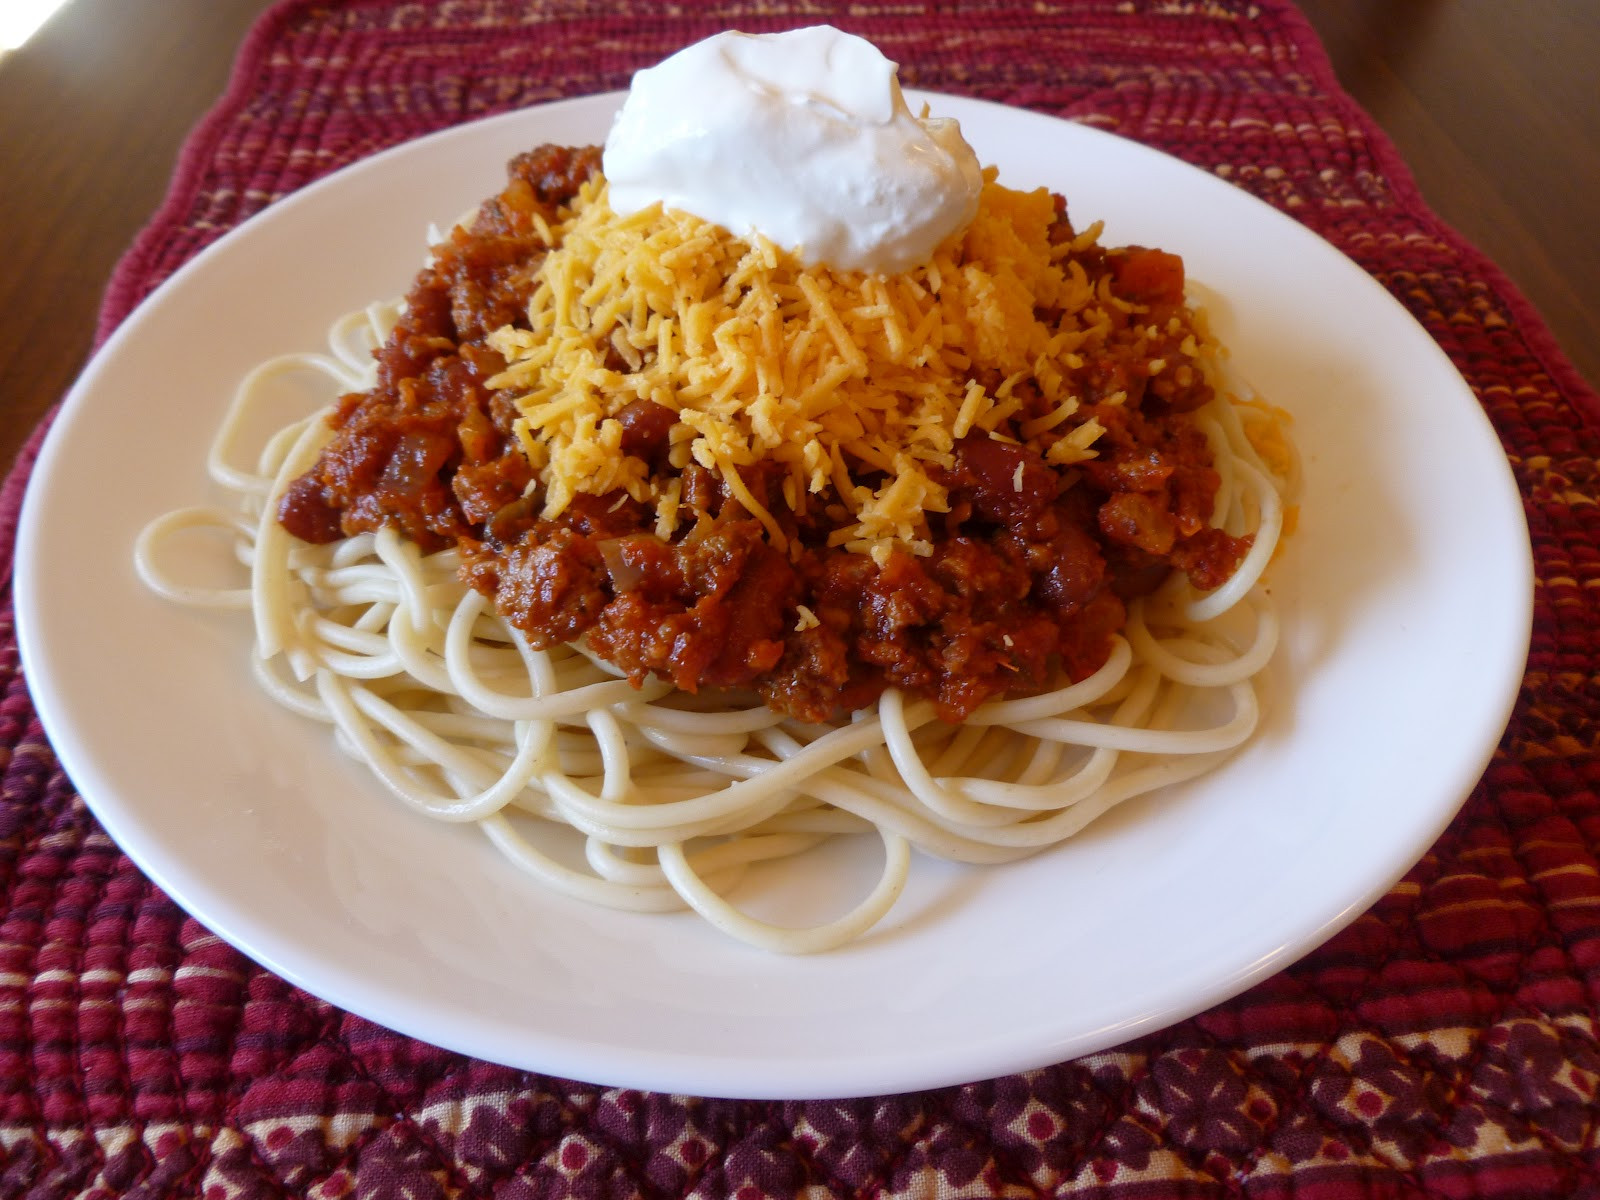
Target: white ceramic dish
x,y
1406,596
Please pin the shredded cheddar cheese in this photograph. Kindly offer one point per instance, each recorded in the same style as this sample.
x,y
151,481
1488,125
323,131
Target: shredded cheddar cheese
x,y
857,385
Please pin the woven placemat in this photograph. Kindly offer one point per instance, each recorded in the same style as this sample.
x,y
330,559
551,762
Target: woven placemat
x,y
1444,1043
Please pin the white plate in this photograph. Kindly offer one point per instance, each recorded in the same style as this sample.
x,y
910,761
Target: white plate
x,y
1406,596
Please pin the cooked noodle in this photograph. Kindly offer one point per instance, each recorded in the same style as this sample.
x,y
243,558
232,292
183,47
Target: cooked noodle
x,y
676,795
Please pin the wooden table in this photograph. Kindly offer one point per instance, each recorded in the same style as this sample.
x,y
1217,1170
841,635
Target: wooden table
x,y
1491,104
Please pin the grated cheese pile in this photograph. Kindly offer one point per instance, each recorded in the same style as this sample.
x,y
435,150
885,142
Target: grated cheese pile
x,y
856,384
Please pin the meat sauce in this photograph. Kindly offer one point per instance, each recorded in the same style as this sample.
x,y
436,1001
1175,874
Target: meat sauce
x,y
1030,569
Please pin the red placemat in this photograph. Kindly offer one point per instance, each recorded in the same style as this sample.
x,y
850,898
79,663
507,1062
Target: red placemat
x,y
1445,1043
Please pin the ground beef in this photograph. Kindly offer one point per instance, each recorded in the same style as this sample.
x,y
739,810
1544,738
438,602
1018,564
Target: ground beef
x,y
1029,572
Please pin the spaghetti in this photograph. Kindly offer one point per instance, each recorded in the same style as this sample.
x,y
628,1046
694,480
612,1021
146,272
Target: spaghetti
x,y
675,793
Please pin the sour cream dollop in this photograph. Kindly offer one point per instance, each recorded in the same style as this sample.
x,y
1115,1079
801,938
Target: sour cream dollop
x,y
803,137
